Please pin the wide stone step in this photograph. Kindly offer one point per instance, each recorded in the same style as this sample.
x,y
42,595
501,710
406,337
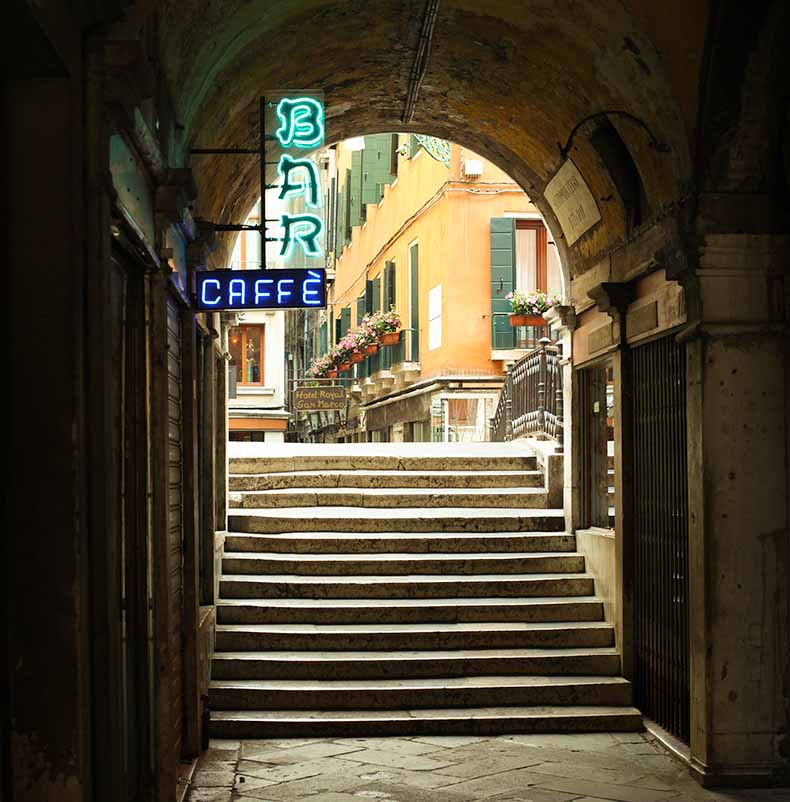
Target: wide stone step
x,y
318,665
417,519
400,564
377,542
480,691
384,479
514,497
444,721
424,586
381,462
503,635
399,611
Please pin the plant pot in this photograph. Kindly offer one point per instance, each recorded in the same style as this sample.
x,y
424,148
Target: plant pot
x,y
527,320
390,338
371,349
357,358
331,374
343,366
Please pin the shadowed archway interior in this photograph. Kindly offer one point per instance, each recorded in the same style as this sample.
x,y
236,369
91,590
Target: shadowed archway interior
x,y
510,81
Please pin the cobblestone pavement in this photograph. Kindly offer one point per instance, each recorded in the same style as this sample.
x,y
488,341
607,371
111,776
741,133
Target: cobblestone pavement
x,y
516,768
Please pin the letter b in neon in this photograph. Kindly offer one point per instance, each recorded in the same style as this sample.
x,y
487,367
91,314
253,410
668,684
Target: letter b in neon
x,y
301,122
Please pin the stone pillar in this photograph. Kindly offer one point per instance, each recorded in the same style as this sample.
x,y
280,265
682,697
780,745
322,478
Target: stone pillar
x,y
738,402
563,321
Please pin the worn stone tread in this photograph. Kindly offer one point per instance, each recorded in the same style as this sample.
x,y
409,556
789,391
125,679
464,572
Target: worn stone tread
x,y
396,564
481,681
447,721
361,664
377,542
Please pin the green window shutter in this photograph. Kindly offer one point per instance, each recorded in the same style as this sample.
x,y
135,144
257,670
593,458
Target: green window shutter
x,y
360,308
345,317
363,366
375,292
338,330
340,229
322,338
368,296
414,301
376,289
414,146
387,358
393,155
394,354
503,280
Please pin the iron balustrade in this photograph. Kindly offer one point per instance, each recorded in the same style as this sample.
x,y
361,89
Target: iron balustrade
x,y
531,399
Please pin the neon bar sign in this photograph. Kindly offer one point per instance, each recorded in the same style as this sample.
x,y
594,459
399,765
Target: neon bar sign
x,y
301,126
261,289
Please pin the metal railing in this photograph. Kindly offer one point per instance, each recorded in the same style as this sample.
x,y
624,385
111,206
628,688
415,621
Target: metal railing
x,y
531,399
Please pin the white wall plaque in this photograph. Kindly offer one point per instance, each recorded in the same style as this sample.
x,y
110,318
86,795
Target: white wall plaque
x,y
571,200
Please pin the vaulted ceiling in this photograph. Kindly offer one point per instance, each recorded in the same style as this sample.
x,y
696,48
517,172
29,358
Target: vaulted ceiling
x,y
508,79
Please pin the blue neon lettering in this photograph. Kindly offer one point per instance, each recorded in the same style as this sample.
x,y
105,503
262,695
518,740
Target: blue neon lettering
x,y
240,294
259,293
312,293
203,297
281,293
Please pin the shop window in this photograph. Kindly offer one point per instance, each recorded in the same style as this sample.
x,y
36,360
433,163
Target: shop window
x,y
247,436
246,344
465,420
597,438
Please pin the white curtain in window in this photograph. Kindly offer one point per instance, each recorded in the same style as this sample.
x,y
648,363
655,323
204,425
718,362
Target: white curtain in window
x,y
553,271
526,259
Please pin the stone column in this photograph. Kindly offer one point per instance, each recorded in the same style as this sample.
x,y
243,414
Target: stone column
x,y
738,402
563,321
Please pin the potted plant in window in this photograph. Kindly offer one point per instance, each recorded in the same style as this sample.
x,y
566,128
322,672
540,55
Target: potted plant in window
x,y
367,338
527,309
387,326
342,354
322,368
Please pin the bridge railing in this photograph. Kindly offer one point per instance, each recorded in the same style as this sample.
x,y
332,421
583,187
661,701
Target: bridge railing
x,y
531,399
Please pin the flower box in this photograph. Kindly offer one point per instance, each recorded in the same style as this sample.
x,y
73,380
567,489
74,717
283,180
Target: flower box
x,y
331,374
371,349
527,320
357,358
390,338
343,366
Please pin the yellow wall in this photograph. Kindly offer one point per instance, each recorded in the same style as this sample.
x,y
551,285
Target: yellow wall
x,y
449,216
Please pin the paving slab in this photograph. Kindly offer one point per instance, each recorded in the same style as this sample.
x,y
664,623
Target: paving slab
x,y
399,760
569,768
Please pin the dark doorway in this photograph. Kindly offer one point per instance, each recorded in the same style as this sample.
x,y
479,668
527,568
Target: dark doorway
x,y
660,535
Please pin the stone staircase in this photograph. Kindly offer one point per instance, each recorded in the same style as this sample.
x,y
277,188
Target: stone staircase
x,y
366,594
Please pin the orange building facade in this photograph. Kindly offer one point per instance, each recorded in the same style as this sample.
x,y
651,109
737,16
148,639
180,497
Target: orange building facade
x,y
430,248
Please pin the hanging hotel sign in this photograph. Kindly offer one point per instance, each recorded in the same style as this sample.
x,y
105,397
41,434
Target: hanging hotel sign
x,y
313,399
571,200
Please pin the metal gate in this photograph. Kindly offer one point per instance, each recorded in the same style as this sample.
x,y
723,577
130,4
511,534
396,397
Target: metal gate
x,y
175,510
661,628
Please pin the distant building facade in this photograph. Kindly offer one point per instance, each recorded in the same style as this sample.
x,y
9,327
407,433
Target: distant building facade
x,y
256,340
443,236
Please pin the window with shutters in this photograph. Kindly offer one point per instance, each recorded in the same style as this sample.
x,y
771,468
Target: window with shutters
x,y
537,261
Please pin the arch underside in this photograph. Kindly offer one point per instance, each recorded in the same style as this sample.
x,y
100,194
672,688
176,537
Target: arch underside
x,y
507,80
